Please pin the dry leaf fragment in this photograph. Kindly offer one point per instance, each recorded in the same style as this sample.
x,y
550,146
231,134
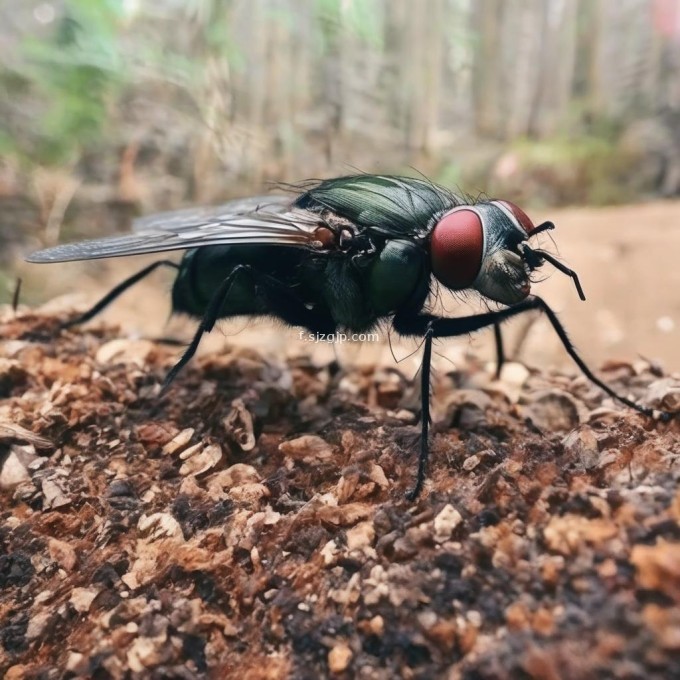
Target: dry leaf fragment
x,y
345,515
14,467
377,475
664,394
125,351
554,410
62,553
12,432
159,525
360,536
155,434
567,534
37,624
582,444
471,462
201,461
143,654
446,522
308,448
239,425
249,494
81,598
235,475
179,441
658,567
54,494
339,658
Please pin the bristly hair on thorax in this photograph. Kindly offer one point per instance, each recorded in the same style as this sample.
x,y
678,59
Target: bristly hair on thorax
x,y
393,206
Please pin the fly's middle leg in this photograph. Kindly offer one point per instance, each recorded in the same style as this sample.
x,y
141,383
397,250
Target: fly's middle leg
x,y
279,302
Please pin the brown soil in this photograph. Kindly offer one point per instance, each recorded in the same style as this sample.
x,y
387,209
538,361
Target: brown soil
x,y
251,521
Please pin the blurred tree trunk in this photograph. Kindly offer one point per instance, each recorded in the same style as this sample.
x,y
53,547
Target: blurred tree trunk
x,y
521,41
590,46
398,62
434,48
545,66
256,96
486,20
333,84
303,57
279,112
561,86
414,74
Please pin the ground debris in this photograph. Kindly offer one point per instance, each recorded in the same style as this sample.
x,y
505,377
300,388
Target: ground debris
x,y
253,517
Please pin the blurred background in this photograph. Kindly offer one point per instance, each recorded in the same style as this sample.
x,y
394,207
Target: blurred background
x,y
115,108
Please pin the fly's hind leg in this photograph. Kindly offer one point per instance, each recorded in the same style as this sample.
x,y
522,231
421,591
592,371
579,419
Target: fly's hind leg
x,y
117,291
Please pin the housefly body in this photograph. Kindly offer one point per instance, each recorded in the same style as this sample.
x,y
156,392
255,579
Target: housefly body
x,y
344,255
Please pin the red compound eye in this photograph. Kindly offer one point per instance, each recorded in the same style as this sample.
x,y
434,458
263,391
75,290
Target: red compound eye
x,y
457,247
520,215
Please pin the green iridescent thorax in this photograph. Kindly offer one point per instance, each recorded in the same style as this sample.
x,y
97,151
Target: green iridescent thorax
x,y
394,205
395,276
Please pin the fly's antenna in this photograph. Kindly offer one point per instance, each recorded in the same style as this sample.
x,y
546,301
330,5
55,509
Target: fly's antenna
x,y
537,255
546,226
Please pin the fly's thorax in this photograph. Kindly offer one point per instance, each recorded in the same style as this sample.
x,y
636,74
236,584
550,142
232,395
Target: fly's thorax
x,y
476,246
395,276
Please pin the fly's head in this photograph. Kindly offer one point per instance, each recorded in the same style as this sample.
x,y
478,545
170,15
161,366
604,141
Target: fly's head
x,y
485,247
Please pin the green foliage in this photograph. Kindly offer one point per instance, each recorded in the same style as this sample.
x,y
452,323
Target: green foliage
x,y
361,17
583,169
450,175
73,73
73,77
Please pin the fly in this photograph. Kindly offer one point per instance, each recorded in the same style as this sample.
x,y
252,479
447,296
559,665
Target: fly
x,y
342,256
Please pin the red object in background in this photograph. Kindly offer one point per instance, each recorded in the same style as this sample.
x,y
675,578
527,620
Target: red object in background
x,y
666,17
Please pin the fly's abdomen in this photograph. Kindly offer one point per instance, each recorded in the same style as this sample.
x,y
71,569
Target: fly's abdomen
x,y
204,270
184,295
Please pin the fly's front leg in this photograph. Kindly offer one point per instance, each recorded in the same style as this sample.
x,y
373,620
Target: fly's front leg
x,y
500,351
425,371
430,326
418,324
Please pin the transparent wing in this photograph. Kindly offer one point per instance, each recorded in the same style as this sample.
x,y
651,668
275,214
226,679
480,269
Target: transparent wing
x,y
257,220
189,218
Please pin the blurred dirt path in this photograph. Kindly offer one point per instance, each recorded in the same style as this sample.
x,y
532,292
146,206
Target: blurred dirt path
x,y
627,258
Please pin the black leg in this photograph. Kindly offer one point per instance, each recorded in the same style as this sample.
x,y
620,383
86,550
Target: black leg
x,y
424,417
418,324
211,315
118,290
281,302
500,352
430,326
17,293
